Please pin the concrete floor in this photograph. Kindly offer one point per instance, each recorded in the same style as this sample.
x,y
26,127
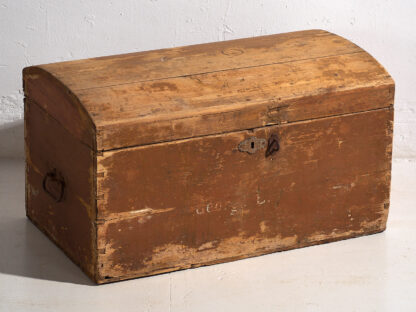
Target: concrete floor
x,y
373,273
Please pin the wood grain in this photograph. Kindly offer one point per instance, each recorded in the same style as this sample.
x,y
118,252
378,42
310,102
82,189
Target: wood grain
x,y
196,59
193,202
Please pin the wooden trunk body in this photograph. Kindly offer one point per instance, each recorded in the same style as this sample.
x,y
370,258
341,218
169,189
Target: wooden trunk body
x,y
151,162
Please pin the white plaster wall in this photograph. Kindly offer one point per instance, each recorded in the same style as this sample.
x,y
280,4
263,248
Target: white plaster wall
x,y
45,31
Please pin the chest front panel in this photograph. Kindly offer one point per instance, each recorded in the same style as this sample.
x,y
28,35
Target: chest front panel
x,y
192,202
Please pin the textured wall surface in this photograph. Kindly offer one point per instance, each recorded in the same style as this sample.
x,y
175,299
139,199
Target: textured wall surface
x,y
45,31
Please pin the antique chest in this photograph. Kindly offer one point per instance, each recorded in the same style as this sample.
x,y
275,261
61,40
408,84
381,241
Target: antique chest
x,y
151,162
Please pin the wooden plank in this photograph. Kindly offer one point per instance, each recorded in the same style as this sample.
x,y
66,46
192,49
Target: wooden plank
x,y
193,202
196,59
232,90
69,223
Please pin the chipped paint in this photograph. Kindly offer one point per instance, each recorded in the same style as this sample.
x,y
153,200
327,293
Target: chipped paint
x,y
171,257
145,212
259,200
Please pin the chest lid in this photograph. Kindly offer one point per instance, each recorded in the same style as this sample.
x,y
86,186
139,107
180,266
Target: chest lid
x,y
163,95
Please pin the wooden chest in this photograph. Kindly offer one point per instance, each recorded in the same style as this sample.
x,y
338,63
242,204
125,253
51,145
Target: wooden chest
x,y
151,162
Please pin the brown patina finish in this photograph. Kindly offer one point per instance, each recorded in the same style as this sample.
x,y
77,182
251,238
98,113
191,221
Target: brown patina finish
x,y
156,161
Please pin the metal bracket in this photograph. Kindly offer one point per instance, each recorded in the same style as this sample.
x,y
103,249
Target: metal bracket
x,y
252,145
54,185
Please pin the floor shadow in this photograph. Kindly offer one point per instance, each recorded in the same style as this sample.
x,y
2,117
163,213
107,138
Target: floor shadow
x,y
25,250
12,139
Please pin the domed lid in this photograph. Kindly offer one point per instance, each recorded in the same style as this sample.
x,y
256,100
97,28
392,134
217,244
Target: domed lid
x,y
163,95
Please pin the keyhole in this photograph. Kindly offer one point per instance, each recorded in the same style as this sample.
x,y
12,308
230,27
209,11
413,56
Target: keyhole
x,y
252,144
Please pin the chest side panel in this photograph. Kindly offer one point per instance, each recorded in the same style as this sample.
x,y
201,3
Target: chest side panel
x,y
194,202
60,192
60,103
